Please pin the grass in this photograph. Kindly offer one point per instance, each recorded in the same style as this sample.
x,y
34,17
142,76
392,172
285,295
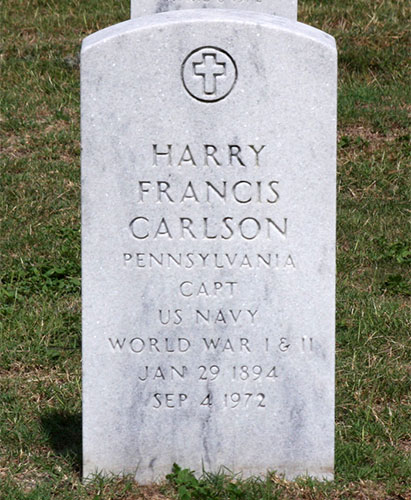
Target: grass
x,y
40,406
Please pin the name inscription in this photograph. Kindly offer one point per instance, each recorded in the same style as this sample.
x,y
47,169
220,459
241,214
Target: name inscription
x,y
184,357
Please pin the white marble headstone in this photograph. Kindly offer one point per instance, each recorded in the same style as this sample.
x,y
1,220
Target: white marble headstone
x,y
284,8
208,178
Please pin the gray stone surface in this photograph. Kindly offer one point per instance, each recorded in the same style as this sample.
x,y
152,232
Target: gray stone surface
x,y
208,177
284,8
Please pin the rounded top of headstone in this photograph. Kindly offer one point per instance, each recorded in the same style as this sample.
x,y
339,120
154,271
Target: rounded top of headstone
x,y
211,16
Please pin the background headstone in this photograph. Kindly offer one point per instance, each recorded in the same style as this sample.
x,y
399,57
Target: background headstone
x,y
284,8
208,174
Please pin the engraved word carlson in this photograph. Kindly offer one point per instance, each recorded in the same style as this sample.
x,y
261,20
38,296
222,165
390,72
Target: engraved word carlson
x,y
209,74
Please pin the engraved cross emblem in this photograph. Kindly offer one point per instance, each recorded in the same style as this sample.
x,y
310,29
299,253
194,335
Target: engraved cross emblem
x,y
209,74
210,70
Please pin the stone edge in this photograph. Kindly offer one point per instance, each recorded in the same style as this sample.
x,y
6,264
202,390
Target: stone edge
x,y
133,10
201,16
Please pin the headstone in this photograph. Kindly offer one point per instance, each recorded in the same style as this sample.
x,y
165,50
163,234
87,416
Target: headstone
x,y
284,8
208,177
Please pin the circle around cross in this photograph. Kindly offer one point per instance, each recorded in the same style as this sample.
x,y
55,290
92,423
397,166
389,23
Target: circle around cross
x,y
209,74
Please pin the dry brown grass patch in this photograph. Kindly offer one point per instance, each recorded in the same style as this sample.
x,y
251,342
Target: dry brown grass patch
x,y
375,139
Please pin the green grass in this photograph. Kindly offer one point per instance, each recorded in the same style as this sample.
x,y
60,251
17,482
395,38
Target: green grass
x,y
40,405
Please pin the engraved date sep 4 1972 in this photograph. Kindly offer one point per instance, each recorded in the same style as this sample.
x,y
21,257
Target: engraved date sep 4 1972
x,y
229,400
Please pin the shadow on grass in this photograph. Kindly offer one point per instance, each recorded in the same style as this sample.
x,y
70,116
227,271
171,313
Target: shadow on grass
x,y
63,431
